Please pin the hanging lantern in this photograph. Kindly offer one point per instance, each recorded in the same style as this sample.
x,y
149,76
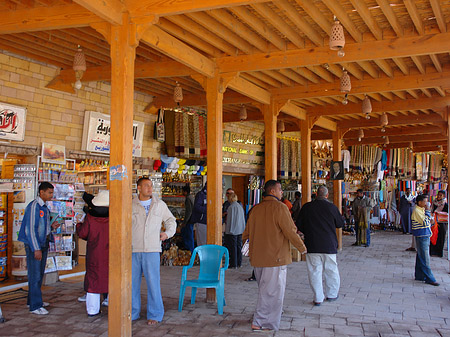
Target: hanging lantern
x,y
386,140
346,84
79,66
384,122
367,107
280,126
360,134
337,38
243,113
345,100
178,94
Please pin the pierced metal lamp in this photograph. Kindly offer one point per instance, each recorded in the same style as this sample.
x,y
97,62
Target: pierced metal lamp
x,y
79,66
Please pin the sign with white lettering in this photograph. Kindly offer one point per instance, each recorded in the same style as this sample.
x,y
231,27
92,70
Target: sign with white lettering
x,y
12,122
97,129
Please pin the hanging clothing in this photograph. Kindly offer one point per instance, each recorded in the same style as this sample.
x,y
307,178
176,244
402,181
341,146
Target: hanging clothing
x,y
346,159
406,208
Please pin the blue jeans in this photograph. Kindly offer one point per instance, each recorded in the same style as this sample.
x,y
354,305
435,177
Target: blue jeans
x,y
423,271
234,245
36,270
147,263
367,234
187,232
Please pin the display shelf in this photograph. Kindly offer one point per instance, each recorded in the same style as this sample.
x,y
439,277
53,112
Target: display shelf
x,y
92,171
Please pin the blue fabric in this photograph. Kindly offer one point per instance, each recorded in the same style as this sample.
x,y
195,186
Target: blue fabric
x,y
423,271
383,160
199,212
147,264
36,270
187,233
35,226
211,274
234,246
422,229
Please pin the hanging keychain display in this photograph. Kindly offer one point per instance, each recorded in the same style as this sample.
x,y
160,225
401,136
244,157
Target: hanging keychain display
x,y
160,134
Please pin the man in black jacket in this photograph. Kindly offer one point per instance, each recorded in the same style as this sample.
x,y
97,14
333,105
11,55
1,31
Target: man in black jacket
x,y
318,221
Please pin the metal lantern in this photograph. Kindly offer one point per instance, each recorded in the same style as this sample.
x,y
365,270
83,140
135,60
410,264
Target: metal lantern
x,y
367,107
346,84
280,126
360,134
337,37
384,122
178,93
243,113
79,66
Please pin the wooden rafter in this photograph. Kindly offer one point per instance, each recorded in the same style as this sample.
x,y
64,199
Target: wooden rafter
x,y
401,120
109,10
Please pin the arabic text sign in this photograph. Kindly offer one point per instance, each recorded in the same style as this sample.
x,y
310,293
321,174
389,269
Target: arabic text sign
x,y
97,133
12,122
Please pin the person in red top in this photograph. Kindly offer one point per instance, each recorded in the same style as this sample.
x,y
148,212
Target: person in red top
x,y
95,230
287,203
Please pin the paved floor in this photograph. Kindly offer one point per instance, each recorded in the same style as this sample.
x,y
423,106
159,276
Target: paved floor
x,y
378,298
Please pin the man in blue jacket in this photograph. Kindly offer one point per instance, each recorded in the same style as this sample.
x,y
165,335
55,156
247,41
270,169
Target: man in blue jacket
x,y
198,217
35,232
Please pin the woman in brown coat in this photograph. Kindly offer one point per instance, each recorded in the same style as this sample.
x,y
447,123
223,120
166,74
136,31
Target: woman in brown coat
x,y
95,230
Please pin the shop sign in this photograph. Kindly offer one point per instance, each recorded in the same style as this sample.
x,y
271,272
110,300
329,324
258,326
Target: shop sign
x,y
242,148
12,122
97,133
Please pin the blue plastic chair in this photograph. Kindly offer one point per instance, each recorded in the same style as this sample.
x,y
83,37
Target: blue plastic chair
x,y
211,275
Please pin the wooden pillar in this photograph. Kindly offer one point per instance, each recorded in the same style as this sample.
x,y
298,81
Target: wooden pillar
x,y
122,86
448,185
305,139
270,141
214,99
337,184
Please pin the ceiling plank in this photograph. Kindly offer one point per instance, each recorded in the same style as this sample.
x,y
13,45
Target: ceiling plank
x,y
343,17
401,64
172,7
364,13
416,81
249,89
354,52
177,50
321,72
390,16
259,26
396,139
289,73
414,14
416,130
385,67
279,24
326,124
45,18
436,62
109,10
436,6
419,64
294,111
298,20
400,120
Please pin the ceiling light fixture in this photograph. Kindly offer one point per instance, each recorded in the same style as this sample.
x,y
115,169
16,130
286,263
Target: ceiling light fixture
x,y
366,107
79,66
337,38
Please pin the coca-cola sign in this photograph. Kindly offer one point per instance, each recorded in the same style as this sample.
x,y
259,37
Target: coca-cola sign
x,y
12,122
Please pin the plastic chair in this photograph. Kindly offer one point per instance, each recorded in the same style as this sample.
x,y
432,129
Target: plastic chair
x,y
211,275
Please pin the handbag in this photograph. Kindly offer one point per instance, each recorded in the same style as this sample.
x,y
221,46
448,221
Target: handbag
x,y
160,134
245,248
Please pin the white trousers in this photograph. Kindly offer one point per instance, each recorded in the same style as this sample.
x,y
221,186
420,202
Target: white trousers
x,y
200,234
92,303
317,264
271,286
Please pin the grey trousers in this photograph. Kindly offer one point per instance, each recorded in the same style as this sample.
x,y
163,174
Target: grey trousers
x,y
200,234
271,286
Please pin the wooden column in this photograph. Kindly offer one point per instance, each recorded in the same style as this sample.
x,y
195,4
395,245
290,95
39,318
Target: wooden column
x,y
448,185
305,139
270,142
122,86
337,187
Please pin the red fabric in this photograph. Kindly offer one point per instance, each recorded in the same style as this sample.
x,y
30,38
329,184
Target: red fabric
x,y
288,204
96,232
434,231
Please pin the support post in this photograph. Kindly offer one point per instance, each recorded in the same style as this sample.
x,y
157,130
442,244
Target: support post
x,y
214,98
270,113
305,140
448,186
337,184
123,47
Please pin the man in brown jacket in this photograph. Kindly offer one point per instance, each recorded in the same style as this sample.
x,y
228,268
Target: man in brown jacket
x,y
270,229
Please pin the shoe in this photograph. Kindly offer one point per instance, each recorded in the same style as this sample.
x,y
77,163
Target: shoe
x,y
2,319
433,283
82,298
105,303
250,279
355,244
410,249
94,315
40,311
332,299
44,304
258,328
317,304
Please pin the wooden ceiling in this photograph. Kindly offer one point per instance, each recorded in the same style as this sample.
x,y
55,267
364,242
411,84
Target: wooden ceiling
x,y
397,52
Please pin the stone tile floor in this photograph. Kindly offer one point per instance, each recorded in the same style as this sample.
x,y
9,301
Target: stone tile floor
x,y
378,297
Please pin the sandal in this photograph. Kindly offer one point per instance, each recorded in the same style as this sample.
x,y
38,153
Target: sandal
x,y
258,328
152,322
250,279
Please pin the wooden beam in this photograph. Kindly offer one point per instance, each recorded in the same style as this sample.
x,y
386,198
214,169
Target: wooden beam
x,y
270,112
108,10
436,6
166,8
293,110
436,62
405,131
390,16
45,18
354,52
250,90
123,46
433,103
401,120
305,136
415,16
337,184
326,123
177,50
343,17
417,81
396,139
